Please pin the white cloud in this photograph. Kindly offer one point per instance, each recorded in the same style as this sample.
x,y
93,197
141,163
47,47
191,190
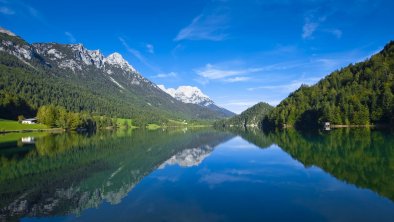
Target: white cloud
x,y
210,72
308,29
70,37
211,25
150,48
6,11
213,179
166,75
238,79
287,88
313,23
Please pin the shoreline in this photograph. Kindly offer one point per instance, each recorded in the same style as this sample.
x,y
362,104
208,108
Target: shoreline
x,y
286,126
361,126
33,130
58,130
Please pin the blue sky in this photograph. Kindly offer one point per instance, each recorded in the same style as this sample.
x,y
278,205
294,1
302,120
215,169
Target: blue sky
x,y
239,52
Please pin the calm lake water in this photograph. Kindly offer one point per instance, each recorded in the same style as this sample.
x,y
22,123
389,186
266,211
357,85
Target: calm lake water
x,y
198,175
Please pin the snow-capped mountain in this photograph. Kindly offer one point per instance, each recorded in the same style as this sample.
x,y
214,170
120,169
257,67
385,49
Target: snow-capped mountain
x,y
70,59
189,157
192,94
188,94
91,81
117,59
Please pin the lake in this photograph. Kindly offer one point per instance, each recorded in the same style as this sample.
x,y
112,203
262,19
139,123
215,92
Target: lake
x,y
198,175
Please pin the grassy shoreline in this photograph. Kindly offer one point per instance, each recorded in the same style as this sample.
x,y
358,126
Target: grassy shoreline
x,y
12,126
33,130
15,126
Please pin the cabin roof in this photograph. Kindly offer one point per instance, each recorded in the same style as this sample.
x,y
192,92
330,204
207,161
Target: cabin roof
x,y
30,119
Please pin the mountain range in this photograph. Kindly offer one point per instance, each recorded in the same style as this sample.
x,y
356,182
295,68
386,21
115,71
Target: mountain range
x,y
80,79
192,94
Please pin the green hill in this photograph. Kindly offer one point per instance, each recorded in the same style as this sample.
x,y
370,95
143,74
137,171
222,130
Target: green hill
x,y
250,117
359,94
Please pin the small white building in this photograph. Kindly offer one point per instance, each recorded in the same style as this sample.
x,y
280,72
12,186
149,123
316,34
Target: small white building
x,y
29,121
28,140
327,126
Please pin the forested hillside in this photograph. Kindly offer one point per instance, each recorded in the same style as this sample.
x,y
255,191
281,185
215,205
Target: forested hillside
x,y
250,117
82,80
360,94
23,89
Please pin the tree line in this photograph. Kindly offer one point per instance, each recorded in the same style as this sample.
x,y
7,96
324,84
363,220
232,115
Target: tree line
x,y
23,89
252,116
359,94
57,116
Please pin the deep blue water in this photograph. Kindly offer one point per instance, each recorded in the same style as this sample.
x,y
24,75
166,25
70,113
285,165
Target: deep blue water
x,y
227,178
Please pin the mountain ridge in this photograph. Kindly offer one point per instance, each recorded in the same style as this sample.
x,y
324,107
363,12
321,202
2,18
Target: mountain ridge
x,y
85,81
192,94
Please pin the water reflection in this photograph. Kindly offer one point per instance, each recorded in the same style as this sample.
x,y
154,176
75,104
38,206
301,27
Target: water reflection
x,y
189,157
185,175
28,140
68,173
362,157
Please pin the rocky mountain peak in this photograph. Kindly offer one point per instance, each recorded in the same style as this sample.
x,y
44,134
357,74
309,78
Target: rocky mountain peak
x,y
89,57
117,59
3,30
188,94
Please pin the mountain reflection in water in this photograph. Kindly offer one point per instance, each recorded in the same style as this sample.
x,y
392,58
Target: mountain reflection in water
x,y
67,173
199,175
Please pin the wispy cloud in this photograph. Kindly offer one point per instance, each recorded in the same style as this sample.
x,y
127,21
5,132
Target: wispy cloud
x,y
137,54
210,72
238,79
216,73
214,179
211,25
177,48
23,10
6,11
287,88
165,75
312,25
71,37
312,22
150,48
308,29
33,11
